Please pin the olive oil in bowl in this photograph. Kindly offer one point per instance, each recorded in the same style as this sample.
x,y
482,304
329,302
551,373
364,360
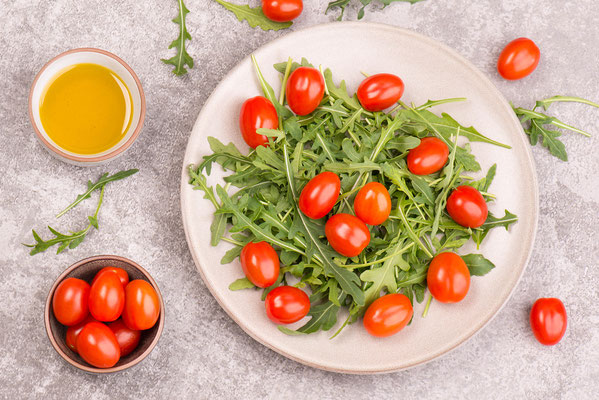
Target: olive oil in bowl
x,y
86,109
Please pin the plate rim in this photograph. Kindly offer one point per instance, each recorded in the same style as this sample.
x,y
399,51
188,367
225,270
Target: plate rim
x,y
494,91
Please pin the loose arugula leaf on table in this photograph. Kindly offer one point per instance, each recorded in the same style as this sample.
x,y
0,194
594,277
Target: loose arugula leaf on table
x,y
181,58
341,4
254,16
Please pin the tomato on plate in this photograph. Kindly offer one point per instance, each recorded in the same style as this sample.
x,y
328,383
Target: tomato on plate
x,y
428,157
305,89
518,59
388,315
448,278
347,234
98,346
320,195
548,320
142,306
121,273
380,91
128,339
373,203
73,332
260,263
70,301
107,297
286,304
282,10
257,112
467,207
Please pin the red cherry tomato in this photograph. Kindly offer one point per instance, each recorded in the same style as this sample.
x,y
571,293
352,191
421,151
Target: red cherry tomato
x,y
548,320
282,10
518,59
142,306
107,297
260,263
373,204
428,157
347,234
74,331
128,339
320,195
121,273
388,315
448,278
98,346
380,91
70,301
257,112
467,207
286,304
305,88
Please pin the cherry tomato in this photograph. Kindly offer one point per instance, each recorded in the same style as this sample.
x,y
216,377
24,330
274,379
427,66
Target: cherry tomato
x,y
428,157
282,10
121,273
74,331
107,297
142,307
320,195
347,234
373,204
128,339
448,278
305,88
286,304
467,207
70,301
260,263
388,315
98,346
257,112
518,59
380,91
548,320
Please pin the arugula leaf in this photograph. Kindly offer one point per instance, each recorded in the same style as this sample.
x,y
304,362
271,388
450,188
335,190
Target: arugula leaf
x,y
254,16
341,4
181,58
477,264
240,284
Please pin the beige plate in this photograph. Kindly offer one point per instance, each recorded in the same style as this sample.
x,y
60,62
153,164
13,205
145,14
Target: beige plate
x,y
429,70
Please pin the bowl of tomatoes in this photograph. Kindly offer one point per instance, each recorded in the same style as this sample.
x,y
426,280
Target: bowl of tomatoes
x,y
104,314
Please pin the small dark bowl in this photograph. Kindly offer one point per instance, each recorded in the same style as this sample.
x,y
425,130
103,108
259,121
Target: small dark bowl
x,y
86,269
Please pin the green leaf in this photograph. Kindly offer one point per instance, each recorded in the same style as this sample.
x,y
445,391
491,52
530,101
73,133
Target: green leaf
x,y
217,228
240,284
254,16
324,317
477,264
423,187
181,58
289,332
340,92
93,221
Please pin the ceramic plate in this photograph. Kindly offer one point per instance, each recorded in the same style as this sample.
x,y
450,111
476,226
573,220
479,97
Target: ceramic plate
x,y
429,70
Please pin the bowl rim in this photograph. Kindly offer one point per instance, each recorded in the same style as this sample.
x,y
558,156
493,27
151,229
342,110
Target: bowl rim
x,y
73,157
86,367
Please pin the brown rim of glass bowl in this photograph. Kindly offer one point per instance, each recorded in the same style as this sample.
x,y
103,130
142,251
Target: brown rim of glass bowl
x,y
116,151
85,269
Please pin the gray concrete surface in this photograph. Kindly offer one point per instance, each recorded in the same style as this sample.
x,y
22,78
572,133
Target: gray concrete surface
x,y
203,353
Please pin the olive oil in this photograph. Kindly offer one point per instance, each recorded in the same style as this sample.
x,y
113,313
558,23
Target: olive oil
x,y
86,109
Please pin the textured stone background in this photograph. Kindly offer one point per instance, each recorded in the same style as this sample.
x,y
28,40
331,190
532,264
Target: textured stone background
x,y
203,353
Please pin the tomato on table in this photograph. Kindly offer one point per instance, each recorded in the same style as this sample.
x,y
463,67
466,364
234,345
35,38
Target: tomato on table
x,y
320,195
257,112
518,59
260,263
107,297
467,207
74,331
286,304
373,203
428,157
98,346
142,306
70,301
282,10
128,339
380,91
448,278
548,320
388,315
121,273
304,90
347,234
